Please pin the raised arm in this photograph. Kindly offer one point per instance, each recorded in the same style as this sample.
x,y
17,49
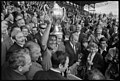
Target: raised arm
x,y
46,35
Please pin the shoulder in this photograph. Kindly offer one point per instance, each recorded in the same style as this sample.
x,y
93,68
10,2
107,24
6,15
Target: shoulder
x,y
67,42
39,75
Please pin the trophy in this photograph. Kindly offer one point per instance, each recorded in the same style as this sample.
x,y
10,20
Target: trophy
x,y
58,14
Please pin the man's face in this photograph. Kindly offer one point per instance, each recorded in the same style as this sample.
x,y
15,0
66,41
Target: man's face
x,y
35,20
15,31
74,39
59,38
52,42
93,50
103,44
20,39
25,32
34,31
21,22
35,53
26,67
115,28
78,28
98,32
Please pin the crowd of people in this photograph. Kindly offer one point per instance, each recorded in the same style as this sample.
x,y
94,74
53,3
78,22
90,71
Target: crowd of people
x,y
87,48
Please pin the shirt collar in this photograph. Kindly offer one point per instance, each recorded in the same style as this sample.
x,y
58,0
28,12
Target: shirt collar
x,y
55,70
104,49
12,40
71,44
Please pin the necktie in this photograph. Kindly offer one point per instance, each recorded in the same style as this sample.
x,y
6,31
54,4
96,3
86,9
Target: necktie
x,y
74,48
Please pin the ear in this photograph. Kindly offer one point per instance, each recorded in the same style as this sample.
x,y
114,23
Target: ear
x,y
20,68
60,66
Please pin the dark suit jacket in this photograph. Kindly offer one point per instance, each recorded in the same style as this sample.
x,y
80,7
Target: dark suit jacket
x,y
73,57
48,75
39,38
14,47
9,74
31,37
7,43
98,62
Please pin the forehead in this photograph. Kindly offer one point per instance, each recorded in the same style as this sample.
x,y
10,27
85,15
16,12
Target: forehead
x,y
34,28
75,36
59,36
103,41
79,26
22,20
36,49
17,28
25,29
52,38
18,17
19,34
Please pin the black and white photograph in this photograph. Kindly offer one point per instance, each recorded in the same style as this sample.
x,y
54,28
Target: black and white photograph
x,y
59,40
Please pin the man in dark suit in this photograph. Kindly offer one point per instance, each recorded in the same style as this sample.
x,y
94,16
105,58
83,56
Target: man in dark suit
x,y
40,33
59,64
73,48
18,44
18,64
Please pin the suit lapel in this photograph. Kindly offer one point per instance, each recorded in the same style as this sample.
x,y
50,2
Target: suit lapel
x,y
71,48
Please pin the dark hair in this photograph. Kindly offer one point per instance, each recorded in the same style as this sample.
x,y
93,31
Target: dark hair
x,y
24,27
57,58
17,58
92,45
12,29
52,35
102,39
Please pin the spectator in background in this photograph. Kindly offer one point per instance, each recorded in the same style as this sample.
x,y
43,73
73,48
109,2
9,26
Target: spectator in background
x,y
96,36
60,42
4,31
19,63
20,21
31,36
40,33
25,31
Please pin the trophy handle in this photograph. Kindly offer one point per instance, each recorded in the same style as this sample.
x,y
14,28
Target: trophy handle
x,y
45,10
64,13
